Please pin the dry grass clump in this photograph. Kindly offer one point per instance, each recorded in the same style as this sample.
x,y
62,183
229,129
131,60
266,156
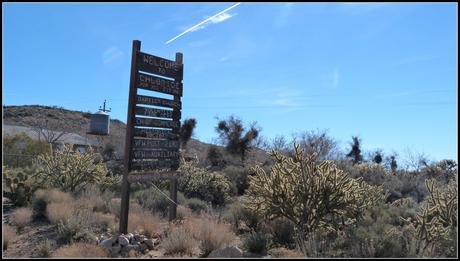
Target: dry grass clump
x,y
210,233
105,221
21,217
57,212
282,252
179,241
145,223
9,235
80,250
44,197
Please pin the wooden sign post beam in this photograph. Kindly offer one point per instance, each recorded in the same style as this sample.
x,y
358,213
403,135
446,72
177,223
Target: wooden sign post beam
x,y
129,136
173,181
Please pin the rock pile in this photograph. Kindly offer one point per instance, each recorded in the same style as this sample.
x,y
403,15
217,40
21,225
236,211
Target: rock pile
x,y
127,245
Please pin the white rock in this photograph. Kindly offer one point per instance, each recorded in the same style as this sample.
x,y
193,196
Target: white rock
x,y
231,251
129,236
150,243
107,243
123,241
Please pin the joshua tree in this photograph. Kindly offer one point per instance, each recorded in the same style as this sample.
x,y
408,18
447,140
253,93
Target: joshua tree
x,y
233,135
186,131
355,153
378,157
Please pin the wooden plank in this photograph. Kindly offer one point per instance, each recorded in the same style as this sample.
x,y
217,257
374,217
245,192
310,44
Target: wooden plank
x,y
156,154
154,101
160,113
155,133
152,165
157,65
137,177
146,122
155,144
153,83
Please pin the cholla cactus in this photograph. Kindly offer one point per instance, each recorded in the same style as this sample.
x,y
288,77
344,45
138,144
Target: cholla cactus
x,y
70,170
311,195
437,218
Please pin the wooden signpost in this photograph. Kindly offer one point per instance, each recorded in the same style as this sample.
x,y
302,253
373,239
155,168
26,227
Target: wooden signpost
x,y
152,129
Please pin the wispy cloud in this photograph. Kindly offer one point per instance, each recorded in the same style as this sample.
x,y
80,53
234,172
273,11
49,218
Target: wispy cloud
x,y
360,8
335,78
416,59
111,54
215,19
284,14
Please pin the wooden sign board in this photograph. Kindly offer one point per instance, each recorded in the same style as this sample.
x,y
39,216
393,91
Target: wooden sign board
x,y
155,144
152,165
157,65
154,112
147,122
153,101
155,154
155,133
153,83
140,177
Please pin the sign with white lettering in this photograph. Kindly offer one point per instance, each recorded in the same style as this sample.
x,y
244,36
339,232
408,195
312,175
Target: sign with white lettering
x,y
157,65
153,83
155,133
142,99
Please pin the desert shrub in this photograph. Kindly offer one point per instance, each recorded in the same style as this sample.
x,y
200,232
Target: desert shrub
x,y
255,242
196,205
213,235
239,178
238,215
103,222
200,183
45,249
182,213
282,232
77,227
145,223
115,207
215,157
80,250
24,147
70,170
97,198
436,221
156,201
281,252
179,241
310,194
59,212
21,217
8,235
42,198
381,233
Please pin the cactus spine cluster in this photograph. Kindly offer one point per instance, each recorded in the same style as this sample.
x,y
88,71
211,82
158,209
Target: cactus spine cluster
x,y
311,195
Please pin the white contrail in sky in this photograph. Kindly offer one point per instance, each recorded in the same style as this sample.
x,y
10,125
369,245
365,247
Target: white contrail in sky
x,y
199,24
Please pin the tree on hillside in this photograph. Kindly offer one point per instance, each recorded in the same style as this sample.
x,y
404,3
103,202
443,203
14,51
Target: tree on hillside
x,y
355,153
48,130
215,157
378,157
186,131
236,139
318,142
393,164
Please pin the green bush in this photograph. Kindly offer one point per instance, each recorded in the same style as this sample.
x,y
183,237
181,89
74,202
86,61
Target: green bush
x,y
282,232
77,227
156,201
239,178
196,205
238,215
20,150
200,183
255,243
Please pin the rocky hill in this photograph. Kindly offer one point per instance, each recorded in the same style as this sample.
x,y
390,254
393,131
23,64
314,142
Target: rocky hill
x,y
60,119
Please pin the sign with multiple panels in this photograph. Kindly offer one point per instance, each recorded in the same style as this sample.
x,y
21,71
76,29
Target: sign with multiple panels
x,y
152,129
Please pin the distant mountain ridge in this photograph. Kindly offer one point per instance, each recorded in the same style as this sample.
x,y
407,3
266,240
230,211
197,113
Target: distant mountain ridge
x,y
78,122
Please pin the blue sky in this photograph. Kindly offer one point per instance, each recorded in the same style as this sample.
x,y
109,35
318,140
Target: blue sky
x,y
385,72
